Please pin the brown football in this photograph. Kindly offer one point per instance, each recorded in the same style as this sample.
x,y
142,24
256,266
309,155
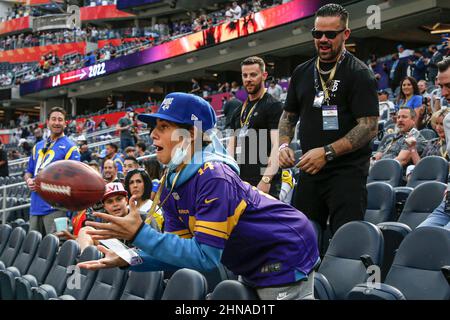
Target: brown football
x,y
70,185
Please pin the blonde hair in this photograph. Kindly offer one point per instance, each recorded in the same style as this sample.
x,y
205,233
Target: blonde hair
x,y
438,114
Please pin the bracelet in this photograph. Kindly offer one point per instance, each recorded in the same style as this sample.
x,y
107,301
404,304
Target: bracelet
x,y
284,145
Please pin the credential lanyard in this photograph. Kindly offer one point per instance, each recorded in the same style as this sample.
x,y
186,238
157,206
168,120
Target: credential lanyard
x,y
247,119
318,77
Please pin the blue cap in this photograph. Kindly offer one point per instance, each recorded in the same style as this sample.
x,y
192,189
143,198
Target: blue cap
x,y
183,108
129,109
102,154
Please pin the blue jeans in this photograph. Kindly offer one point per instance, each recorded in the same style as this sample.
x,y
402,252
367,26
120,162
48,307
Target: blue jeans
x,y
439,218
126,142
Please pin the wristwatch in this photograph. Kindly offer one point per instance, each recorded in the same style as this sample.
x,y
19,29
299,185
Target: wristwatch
x,y
329,153
266,180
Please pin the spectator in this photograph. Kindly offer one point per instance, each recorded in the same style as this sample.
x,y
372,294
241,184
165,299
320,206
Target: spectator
x,y
139,185
195,87
385,105
129,152
244,10
398,71
4,170
397,147
439,218
235,87
125,125
85,153
423,86
38,134
141,149
89,125
236,11
256,6
275,90
129,163
436,57
112,153
404,53
149,104
109,103
418,66
231,106
102,125
110,171
410,97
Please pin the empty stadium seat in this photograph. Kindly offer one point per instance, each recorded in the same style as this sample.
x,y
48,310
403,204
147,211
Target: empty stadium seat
x,y
354,247
214,277
12,248
380,202
186,284
386,170
5,232
428,134
108,285
420,271
86,277
56,280
21,264
143,286
421,202
431,168
233,290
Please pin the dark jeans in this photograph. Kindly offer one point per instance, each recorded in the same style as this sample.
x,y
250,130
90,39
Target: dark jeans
x,y
340,196
126,142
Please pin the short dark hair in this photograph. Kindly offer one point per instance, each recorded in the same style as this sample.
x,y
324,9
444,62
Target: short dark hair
x,y
444,64
254,60
141,145
412,112
333,10
130,158
57,109
114,146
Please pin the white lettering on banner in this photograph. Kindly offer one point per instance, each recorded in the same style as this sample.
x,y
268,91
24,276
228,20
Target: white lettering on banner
x,y
80,76
56,80
97,70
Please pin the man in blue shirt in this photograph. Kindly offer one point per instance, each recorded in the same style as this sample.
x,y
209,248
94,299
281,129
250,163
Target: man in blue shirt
x,y
56,147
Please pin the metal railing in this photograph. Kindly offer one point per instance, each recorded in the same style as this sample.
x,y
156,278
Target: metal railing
x,y
4,210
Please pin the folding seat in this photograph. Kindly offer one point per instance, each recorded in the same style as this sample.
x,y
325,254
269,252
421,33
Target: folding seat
x,y
217,275
108,284
143,286
420,271
428,134
12,248
47,261
233,290
380,202
21,264
354,247
386,170
186,284
56,280
86,277
5,232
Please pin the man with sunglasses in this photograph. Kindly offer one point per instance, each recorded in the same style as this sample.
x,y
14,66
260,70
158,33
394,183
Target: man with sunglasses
x,y
56,147
335,97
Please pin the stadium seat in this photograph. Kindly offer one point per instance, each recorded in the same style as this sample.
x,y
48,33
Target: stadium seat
x,y
108,285
219,274
12,248
386,170
86,277
143,286
233,290
421,202
56,280
186,284
380,202
5,232
428,134
431,168
20,265
38,270
354,247
420,271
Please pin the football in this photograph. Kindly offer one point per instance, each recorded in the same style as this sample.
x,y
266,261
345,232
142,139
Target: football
x,y
71,185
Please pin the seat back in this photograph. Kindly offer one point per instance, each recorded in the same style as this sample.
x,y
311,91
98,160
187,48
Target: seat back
x,y
28,251
186,284
421,203
386,170
67,256
431,168
428,134
12,248
5,232
233,290
380,202
342,265
108,285
217,275
416,270
143,286
43,261
86,277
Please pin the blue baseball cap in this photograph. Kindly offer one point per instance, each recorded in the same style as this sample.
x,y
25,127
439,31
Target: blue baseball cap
x,y
183,108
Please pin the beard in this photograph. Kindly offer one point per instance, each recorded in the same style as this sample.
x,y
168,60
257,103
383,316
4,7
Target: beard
x,y
330,55
255,90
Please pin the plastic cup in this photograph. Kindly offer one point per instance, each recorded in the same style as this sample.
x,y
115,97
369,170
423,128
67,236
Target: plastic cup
x,y
61,224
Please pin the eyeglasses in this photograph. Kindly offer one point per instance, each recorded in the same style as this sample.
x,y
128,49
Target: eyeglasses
x,y
328,34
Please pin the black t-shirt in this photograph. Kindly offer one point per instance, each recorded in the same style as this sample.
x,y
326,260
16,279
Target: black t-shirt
x,y
266,115
4,172
355,97
230,108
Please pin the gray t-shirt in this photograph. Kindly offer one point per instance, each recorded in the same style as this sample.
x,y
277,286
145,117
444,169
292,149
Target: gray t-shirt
x,y
123,122
392,147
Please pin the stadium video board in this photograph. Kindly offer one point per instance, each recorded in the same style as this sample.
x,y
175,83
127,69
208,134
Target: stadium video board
x,y
256,22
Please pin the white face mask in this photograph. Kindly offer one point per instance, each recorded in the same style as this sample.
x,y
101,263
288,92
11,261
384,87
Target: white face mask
x,y
178,157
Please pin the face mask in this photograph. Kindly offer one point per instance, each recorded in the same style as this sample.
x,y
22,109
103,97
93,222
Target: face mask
x,y
177,159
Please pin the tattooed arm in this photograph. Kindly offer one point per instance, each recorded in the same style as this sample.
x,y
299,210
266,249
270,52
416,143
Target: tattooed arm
x,y
363,133
286,129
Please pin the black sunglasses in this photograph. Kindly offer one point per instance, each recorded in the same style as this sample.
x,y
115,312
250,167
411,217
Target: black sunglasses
x,y
329,34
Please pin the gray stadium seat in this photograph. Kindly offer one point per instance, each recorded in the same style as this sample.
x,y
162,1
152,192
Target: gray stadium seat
x,y
354,247
12,248
143,286
233,290
108,285
431,168
420,271
5,232
386,170
186,284
380,203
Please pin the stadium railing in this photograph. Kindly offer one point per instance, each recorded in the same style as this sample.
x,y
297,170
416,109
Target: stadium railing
x,y
4,210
